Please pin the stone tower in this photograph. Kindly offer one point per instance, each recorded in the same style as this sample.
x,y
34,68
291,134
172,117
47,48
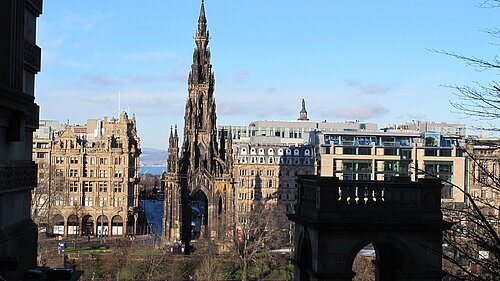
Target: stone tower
x,y
303,112
198,185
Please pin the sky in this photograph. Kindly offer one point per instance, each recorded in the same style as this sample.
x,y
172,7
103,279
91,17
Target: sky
x,y
350,60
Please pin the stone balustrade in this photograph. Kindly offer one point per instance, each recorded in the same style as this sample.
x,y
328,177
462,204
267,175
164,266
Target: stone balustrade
x,y
323,195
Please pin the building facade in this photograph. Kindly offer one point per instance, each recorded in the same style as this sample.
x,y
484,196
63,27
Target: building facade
x,y
381,155
268,173
88,178
484,172
19,63
198,184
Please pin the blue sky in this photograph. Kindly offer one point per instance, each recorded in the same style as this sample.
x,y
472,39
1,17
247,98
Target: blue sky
x,y
351,60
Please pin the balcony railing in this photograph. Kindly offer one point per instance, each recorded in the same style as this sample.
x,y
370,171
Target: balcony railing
x,y
321,195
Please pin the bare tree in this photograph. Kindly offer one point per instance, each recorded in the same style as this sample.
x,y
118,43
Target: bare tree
x,y
259,233
209,267
472,246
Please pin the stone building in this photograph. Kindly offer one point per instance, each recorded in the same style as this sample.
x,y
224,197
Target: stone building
x,y
198,184
484,172
88,178
19,63
268,173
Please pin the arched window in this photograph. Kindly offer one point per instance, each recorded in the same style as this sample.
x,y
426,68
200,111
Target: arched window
x,y
270,183
270,151
280,151
261,151
253,151
261,160
296,152
307,152
271,160
288,151
253,160
244,151
243,183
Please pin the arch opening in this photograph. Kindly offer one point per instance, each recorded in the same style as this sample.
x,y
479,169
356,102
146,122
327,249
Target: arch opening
x,y
88,225
364,264
117,225
199,214
73,225
102,225
304,259
58,222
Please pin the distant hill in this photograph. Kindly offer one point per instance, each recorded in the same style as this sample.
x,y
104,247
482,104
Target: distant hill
x,y
153,157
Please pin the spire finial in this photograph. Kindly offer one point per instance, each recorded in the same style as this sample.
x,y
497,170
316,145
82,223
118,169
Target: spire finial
x,y
303,111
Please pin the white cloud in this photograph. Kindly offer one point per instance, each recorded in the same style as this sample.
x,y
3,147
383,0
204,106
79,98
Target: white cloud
x,y
369,89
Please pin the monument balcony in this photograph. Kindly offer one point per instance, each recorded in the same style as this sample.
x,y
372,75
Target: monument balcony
x,y
328,198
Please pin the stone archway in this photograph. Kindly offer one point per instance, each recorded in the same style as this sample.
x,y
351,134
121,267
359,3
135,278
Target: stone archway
x,y
58,225
402,219
199,214
117,225
87,225
103,226
73,225
304,258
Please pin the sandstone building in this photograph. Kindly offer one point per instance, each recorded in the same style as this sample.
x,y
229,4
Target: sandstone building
x,y
87,177
268,173
198,184
19,62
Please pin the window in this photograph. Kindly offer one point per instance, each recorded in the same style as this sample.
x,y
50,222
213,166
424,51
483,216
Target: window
x,y
243,183
59,185
87,201
405,153
261,151
244,151
118,174
117,187
430,152
270,183
390,151
270,151
117,202
365,151
42,145
59,160
59,172
103,161
271,160
73,201
103,173
40,155
103,186
102,201
349,150
92,160
280,151
296,152
73,160
87,186
252,172
270,173
253,151
73,186
118,160
73,172
59,201
243,172
307,152
445,152
261,160
484,194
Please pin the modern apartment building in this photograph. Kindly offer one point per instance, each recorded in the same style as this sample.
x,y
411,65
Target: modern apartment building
x,y
380,155
87,177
